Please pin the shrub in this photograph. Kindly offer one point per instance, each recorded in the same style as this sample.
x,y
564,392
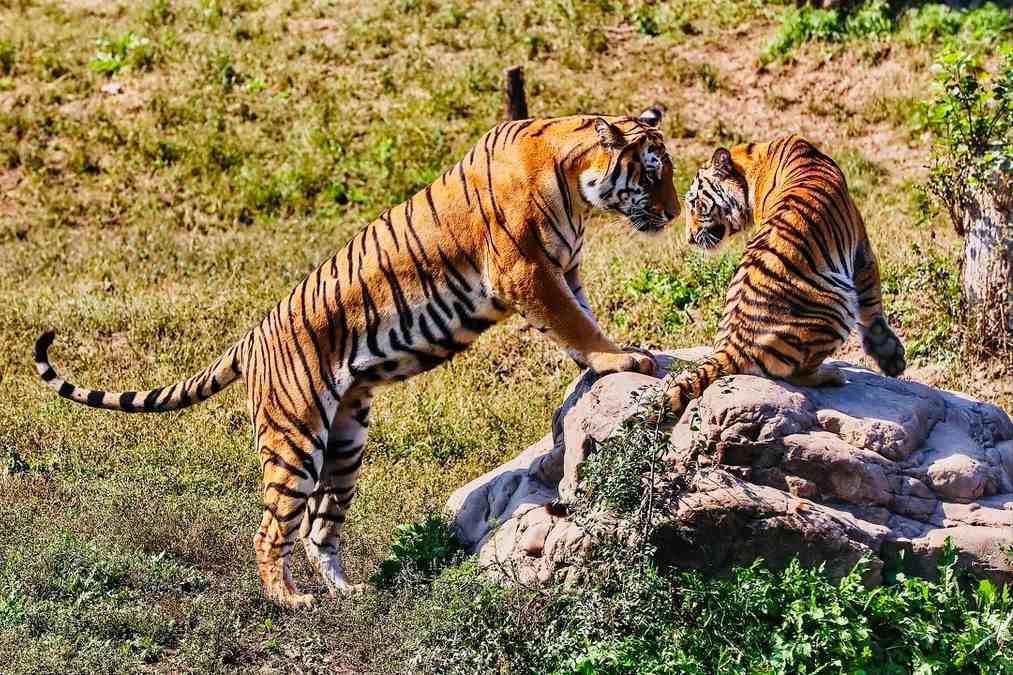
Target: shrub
x,y
419,549
643,620
972,122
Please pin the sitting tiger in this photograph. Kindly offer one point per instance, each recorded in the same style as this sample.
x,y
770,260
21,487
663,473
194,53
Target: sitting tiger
x,y
807,275
502,231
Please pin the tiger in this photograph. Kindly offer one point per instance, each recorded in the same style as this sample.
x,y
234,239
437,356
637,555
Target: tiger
x,y
500,232
807,276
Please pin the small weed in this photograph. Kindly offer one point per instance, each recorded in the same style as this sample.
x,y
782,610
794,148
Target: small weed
x,y
51,65
13,601
221,69
655,18
611,477
8,57
129,50
159,13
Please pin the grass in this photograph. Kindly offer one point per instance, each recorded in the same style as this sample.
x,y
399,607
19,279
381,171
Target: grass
x,y
981,27
153,226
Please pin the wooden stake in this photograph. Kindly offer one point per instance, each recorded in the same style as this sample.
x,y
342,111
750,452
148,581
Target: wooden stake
x,y
513,91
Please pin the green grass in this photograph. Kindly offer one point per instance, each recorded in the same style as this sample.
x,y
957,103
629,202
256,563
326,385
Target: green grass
x,y
153,226
980,27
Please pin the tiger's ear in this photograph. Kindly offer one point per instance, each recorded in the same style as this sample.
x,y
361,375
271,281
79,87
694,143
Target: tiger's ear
x,y
610,135
721,162
652,116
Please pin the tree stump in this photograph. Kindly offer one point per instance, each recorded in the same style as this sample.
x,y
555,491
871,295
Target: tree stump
x,y
986,274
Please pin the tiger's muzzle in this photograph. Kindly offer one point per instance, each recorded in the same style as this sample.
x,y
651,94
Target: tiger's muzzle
x,y
708,237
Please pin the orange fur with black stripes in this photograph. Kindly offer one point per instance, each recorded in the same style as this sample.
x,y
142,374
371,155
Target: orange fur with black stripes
x,y
502,231
807,276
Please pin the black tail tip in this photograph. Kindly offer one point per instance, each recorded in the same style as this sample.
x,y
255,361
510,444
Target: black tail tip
x,y
557,508
43,344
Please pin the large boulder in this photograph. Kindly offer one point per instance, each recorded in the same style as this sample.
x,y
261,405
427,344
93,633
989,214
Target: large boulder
x,y
883,468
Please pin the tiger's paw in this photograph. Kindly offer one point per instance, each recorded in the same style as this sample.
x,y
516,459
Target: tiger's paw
x,y
284,594
883,345
328,565
824,376
348,589
605,363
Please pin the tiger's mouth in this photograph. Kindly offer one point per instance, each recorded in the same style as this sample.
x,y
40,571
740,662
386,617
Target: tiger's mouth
x,y
648,222
709,237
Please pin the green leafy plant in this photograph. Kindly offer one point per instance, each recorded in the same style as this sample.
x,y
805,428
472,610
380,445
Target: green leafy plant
x,y
805,24
642,620
972,121
128,50
673,290
419,549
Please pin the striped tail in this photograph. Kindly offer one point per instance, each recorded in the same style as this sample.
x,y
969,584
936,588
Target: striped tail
x,y
690,384
183,394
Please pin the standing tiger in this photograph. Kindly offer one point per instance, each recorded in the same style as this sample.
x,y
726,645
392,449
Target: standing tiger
x,y
502,231
807,275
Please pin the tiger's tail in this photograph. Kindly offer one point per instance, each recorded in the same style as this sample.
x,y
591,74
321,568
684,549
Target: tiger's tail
x,y
690,384
223,372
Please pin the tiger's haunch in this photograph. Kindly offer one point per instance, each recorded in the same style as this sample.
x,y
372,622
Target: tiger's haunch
x,y
502,231
807,276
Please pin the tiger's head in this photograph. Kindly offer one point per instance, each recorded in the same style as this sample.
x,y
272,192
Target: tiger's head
x,y
717,202
633,172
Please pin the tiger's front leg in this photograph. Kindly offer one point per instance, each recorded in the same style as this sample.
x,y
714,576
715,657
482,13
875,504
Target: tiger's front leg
x,y
545,298
576,287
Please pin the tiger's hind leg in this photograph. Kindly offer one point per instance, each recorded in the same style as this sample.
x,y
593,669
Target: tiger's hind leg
x,y
291,462
878,340
329,502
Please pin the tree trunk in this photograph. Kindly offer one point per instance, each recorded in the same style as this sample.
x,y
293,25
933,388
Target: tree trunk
x,y
986,273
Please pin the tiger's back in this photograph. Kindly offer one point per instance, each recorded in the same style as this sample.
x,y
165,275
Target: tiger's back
x,y
808,274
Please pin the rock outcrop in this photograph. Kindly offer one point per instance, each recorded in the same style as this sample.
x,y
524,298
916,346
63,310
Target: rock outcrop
x,y
879,467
